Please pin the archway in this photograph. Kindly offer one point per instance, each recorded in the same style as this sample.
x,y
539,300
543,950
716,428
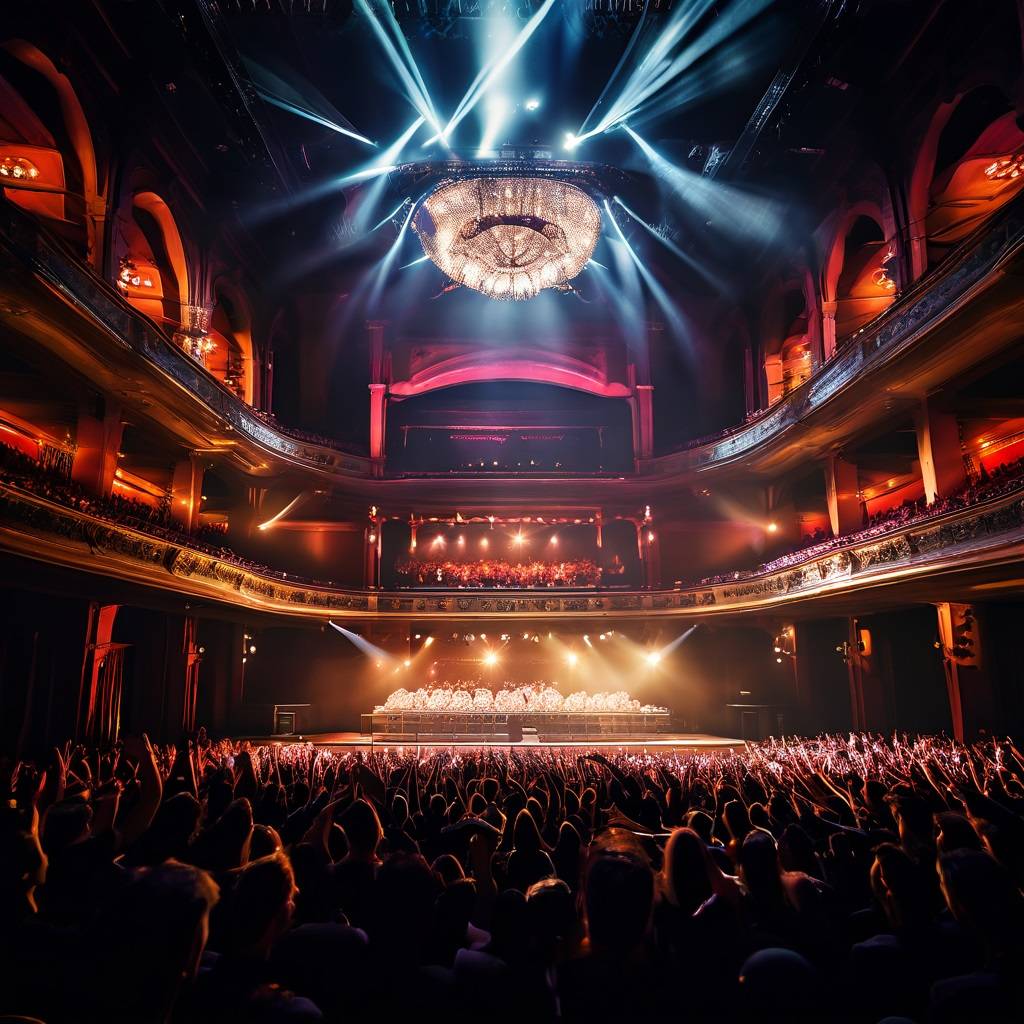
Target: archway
x,y
977,167
230,359
787,353
859,277
47,159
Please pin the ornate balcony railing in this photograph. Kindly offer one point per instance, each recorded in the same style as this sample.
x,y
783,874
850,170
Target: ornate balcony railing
x,y
28,244
39,528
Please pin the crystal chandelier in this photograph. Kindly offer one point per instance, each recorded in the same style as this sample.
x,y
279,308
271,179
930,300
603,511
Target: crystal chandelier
x,y
509,237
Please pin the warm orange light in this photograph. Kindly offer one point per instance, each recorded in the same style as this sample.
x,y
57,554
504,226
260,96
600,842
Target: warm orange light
x,y
490,659
773,527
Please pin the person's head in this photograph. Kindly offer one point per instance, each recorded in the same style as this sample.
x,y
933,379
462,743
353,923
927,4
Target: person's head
x,y
362,827
551,915
702,823
67,822
796,851
899,888
265,841
525,834
174,825
982,897
779,985
759,864
224,845
914,821
955,832
260,907
404,892
154,931
448,869
400,810
619,897
684,873
737,821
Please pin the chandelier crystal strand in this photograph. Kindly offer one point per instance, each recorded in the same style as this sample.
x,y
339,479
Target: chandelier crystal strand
x,y
509,237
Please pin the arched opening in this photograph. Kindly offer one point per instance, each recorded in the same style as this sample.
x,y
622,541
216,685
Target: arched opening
x,y
978,168
787,360
152,272
230,359
47,160
865,285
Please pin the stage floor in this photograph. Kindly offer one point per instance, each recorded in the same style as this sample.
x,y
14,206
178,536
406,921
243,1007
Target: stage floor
x,y
682,742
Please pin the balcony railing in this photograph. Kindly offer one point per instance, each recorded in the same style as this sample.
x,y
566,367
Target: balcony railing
x,y
39,528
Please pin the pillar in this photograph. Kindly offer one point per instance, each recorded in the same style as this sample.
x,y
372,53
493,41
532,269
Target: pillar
x,y
187,491
98,641
371,555
98,440
828,329
378,419
645,421
841,492
939,451
973,704
871,684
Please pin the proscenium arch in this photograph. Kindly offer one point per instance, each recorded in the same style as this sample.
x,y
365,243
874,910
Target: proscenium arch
x,y
528,367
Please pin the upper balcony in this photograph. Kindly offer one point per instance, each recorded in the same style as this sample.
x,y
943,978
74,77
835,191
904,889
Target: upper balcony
x,y
890,363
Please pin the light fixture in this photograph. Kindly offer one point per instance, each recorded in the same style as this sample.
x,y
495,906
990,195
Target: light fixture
x,y
1006,168
773,527
653,658
372,539
252,648
571,658
602,636
484,543
554,539
532,103
570,141
428,641
490,659
509,238
518,538
19,168
407,663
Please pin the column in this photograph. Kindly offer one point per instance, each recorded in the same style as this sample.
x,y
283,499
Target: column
x,y
98,641
973,704
871,685
98,440
378,419
187,491
371,556
939,451
645,421
828,329
841,492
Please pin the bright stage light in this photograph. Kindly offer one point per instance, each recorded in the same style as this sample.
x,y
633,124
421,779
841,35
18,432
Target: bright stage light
x,y
428,641
490,659
773,527
291,504
532,103
570,141
485,543
462,541
653,658
407,663
483,636
602,637
554,539
571,658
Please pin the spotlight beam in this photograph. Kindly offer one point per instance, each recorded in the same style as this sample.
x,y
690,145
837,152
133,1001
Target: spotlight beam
x,y
364,645
292,108
387,262
491,72
401,59
659,68
301,496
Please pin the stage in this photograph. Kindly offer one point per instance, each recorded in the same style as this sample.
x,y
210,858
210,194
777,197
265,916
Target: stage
x,y
683,742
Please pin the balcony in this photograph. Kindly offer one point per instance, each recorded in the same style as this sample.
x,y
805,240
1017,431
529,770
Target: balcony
x,y
974,547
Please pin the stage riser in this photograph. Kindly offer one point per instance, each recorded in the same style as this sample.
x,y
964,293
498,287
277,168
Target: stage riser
x,y
495,727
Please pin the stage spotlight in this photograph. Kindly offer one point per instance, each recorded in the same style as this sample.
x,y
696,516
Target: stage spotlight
x,y
650,536
570,142
252,648
653,658
773,527
497,111
416,636
428,641
483,636
532,103
407,663
438,541
485,543
490,659
554,539
505,637
586,640
602,637
571,658
535,638
518,538
380,664
462,541
372,539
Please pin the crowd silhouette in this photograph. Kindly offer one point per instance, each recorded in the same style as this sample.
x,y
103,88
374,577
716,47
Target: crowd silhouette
x,y
851,879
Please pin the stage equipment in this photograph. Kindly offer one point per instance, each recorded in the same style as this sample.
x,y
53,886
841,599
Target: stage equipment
x,y
509,237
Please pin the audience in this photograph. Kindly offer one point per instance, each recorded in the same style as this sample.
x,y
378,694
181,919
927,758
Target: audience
x,y
578,572
848,879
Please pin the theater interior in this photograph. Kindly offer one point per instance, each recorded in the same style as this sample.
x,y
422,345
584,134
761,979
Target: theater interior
x,y
634,375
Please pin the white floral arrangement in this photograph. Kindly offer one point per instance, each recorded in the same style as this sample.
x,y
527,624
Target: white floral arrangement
x,y
538,697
